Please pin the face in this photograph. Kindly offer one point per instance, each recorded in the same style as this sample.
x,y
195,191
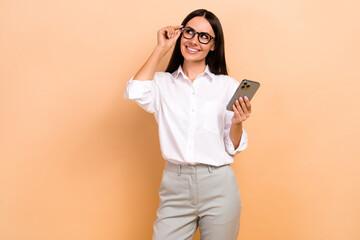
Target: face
x,y
191,49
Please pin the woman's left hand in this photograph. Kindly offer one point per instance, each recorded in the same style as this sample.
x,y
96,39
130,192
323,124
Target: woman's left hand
x,y
242,110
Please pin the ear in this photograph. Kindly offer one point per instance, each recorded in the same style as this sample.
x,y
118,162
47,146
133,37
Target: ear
x,y
212,48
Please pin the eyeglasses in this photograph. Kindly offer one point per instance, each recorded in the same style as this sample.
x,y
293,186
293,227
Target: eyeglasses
x,y
203,37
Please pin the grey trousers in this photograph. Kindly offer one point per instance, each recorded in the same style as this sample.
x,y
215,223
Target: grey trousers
x,y
198,195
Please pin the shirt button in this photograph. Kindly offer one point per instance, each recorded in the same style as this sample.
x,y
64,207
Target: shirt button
x,y
193,110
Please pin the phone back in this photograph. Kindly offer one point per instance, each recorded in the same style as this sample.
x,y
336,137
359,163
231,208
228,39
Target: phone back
x,y
246,88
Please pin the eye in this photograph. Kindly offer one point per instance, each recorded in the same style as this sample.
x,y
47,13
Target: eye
x,y
205,36
189,31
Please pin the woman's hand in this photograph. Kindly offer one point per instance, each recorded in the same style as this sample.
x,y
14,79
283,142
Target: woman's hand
x,y
167,36
242,110
166,39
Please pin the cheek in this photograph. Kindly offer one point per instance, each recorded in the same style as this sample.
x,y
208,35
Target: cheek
x,y
208,47
181,40
206,50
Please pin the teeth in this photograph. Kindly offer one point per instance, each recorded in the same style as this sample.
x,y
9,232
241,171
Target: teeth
x,y
193,50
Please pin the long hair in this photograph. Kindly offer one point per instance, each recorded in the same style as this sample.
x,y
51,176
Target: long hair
x,y
215,59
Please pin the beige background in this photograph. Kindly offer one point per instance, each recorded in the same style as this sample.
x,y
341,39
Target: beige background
x,y
78,162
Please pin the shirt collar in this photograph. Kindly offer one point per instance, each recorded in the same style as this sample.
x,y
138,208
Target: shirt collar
x,y
207,73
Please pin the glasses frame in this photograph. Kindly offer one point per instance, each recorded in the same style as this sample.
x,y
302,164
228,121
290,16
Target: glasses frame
x,y
198,33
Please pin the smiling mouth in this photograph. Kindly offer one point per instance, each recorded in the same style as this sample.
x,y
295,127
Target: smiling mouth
x,y
192,49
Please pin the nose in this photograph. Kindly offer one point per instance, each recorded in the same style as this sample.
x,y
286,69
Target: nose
x,y
195,40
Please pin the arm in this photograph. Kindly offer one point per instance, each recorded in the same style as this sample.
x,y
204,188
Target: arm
x,y
235,134
242,110
166,39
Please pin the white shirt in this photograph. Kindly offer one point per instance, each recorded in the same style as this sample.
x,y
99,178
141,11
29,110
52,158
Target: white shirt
x,y
194,124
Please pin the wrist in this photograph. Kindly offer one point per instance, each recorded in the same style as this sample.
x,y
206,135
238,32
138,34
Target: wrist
x,y
161,50
236,125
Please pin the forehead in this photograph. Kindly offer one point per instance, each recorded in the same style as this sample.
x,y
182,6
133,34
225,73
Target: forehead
x,y
200,24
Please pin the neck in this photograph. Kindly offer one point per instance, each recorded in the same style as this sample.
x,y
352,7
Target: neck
x,y
193,69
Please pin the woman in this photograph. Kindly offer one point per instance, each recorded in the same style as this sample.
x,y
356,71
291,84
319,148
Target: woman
x,y
198,136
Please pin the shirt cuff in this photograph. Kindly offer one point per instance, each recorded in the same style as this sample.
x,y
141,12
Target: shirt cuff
x,y
242,146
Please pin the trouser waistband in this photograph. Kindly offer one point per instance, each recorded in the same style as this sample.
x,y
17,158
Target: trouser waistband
x,y
190,169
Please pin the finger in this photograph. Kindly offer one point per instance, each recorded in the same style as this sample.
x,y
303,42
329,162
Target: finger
x,y
168,31
236,116
239,108
241,115
237,113
248,104
243,105
177,33
164,32
172,31
178,27
235,110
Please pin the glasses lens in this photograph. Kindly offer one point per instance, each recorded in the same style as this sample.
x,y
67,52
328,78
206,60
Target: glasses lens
x,y
188,33
204,38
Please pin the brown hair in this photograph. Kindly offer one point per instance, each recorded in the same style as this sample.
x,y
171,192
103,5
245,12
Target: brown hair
x,y
215,59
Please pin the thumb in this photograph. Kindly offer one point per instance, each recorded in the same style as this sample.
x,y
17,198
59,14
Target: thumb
x,y
177,34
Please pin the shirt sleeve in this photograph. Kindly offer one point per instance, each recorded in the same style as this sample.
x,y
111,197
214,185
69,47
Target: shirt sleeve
x,y
229,146
144,93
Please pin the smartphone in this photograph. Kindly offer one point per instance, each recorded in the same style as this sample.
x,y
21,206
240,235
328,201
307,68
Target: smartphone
x,y
247,88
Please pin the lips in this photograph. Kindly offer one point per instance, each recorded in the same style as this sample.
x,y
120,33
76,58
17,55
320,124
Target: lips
x,y
192,50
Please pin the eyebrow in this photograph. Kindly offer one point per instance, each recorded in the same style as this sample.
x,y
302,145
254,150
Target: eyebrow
x,y
197,31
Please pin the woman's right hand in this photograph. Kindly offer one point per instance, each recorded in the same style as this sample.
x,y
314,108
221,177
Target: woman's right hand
x,y
167,36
